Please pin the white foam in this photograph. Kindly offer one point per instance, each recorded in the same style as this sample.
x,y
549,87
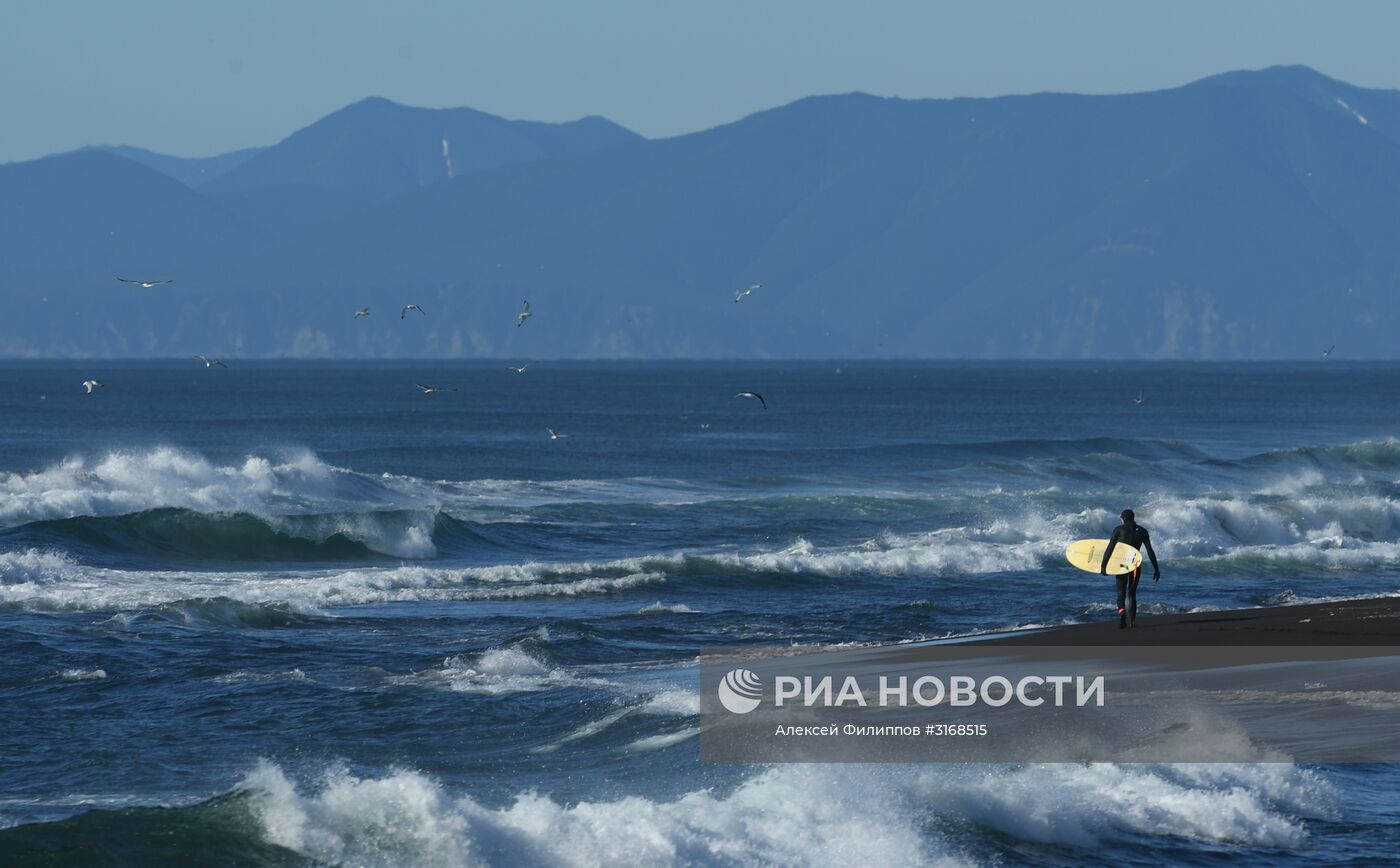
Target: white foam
x,y
498,671
588,730
506,662
83,674
245,675
33,565
1329,534
666,739
659,608
1336,533
528,493
665,703
1081,805
1212,525
297,494
1147,608
940,553
54,582
1292,598
673,702
793,815
1346,556
1375,700
785,817
122,482
1333,532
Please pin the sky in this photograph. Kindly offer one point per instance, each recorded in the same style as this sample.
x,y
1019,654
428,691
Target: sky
x,y
195,78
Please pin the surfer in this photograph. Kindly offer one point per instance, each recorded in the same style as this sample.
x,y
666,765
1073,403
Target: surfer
x,y
1133,534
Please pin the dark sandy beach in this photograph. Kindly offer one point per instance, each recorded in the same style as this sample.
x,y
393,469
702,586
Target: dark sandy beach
x,y
1345,622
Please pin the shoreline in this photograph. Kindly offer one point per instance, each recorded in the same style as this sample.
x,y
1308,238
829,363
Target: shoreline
x,y
1371,621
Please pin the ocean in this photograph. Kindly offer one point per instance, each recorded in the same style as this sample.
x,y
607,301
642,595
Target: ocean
x,y
301,613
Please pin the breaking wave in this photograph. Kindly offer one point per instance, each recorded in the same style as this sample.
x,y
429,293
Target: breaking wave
x,y
49,581
125,482
184,535
801,815
788,815
143,529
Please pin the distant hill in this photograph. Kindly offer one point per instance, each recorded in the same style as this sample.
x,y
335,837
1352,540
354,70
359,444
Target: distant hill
x,y
97,213
1247,215
190,171
71,224
376,149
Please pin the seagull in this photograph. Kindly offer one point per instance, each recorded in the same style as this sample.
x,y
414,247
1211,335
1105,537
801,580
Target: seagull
x,y
404,312
555,435
521,369
753,395
433,390
1327,352
524,315
1138,399
93,384
145,283
364,311
739,296
209,363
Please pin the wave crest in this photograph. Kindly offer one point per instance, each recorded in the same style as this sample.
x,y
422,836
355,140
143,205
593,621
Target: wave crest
x,y
185,535
123,482
793,815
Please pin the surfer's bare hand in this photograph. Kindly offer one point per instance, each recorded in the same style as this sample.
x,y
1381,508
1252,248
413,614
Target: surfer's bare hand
x,y
1156,574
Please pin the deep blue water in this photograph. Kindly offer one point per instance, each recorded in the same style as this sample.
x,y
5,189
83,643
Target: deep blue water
x,y
292,612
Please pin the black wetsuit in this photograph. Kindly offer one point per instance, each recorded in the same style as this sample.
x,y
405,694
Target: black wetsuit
x,y
1136,536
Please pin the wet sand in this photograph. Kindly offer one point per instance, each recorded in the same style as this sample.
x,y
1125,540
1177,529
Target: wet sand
x,y
1346,622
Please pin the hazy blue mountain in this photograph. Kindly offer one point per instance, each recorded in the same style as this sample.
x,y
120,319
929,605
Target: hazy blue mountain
x,y
375,149
1378,109
1245,215
71,224
97,213
190,171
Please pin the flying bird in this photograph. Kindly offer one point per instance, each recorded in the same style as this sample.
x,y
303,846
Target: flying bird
x,y
519,370
433,390
753,395
209,363
93,384
364,311
1138,399
524,315
145,283
739,296
1327,352
406,308
555,435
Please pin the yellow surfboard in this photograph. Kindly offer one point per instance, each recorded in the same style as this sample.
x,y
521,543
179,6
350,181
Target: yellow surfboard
x,y
1087,554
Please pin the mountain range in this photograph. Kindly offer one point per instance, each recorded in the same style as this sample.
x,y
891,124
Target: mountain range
x,y
1247,215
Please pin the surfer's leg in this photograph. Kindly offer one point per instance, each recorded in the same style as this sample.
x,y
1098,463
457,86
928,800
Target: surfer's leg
x,y
1132,594
1122,589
